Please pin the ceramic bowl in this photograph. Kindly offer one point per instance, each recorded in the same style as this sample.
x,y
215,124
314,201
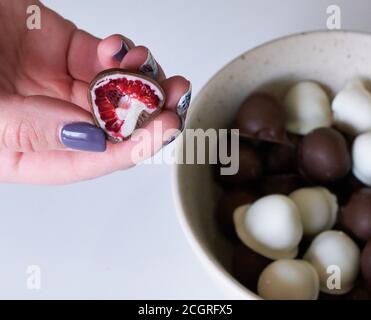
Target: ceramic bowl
x,y
329,57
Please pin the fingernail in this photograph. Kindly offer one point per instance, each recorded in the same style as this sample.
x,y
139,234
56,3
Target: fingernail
x,y
120,54
149,67
181,110
183,105
83,136
172,138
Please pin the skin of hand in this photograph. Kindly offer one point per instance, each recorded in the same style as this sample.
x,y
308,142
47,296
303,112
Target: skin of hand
x,y
44,78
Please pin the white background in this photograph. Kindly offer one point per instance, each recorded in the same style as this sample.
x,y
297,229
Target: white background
x,y
118,236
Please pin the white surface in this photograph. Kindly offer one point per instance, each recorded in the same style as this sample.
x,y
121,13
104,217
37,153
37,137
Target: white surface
x,y
87,244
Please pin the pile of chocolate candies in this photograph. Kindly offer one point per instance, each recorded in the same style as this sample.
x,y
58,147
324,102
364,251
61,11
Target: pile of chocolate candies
x,y
298,211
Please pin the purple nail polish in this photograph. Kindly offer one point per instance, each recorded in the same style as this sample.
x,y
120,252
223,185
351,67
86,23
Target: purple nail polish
x,y
120,54
83,136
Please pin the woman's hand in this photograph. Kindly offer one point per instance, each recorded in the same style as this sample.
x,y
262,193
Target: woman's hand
x,y
44,77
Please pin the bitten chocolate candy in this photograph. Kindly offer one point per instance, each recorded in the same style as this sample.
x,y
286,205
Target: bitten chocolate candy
x,y
228,202
123,101
366,264
250,166
261,117
247,266
356,215
324,156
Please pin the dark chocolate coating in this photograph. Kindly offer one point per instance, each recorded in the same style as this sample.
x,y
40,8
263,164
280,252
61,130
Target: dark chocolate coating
x,y
261,117
345,187
359,292
280,184
304,246
227,203
280,158
356,215
247,266
366,264
250,166
330,297
324,156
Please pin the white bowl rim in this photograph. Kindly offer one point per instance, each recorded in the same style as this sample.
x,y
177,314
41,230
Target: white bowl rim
x,y
207,259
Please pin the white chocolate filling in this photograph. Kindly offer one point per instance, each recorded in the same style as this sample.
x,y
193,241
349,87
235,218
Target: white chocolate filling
x,y
130,114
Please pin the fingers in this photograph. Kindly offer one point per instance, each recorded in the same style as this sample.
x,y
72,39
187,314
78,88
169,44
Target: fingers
x,y
178,92
57,167
175,88
82,58
145,141
141,59
39,123
79,95
112,50
89,55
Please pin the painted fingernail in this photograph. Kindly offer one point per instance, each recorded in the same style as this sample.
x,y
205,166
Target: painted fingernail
x,y
149,67
183,105
181,110
83,136
120,54
172,138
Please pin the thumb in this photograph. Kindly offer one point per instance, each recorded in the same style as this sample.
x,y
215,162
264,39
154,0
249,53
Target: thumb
x,y
40,123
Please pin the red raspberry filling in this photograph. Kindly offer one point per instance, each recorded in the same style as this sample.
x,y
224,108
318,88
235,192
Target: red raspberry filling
x,y
108,96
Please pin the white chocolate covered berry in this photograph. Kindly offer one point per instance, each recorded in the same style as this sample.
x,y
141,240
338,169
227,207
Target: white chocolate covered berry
x,y
352,108
318,209
289,280
271,226
361,156
336,257
307,108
